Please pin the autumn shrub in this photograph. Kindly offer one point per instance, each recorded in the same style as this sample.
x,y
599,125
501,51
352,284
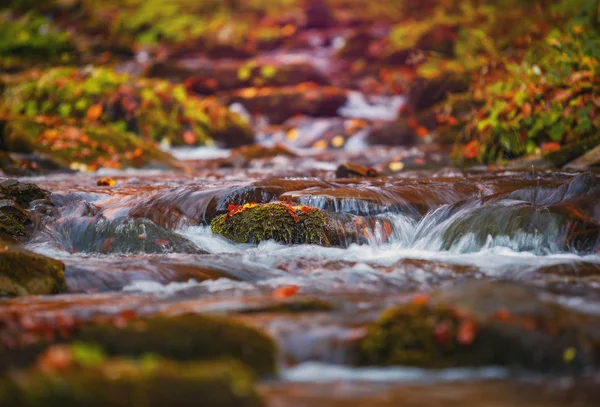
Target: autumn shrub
x,y
153,109
544,101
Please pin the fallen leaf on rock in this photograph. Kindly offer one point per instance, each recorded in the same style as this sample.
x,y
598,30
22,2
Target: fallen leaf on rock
x,y
285,292
106,182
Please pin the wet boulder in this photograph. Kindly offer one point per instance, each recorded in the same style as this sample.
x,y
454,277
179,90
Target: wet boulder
x,y
13,219
297,224
350,170
540,219
191,206
26,273
279,221
82,375
100,235
484,323
15,197
22,193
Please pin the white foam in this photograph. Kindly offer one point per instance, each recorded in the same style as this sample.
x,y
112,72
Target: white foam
x,y
314,372
381,108
198,153
154,287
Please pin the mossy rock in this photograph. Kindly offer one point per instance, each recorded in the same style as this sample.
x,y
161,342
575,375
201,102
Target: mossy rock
x,y
26,273
93,380
254,223
100,235
87,147
13,219
505,325
186,337
22,193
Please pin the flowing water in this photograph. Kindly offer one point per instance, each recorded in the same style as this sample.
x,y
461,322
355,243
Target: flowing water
x,y
145,245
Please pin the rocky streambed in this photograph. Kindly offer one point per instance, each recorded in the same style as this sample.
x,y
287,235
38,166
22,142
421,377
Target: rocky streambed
x,y
438,286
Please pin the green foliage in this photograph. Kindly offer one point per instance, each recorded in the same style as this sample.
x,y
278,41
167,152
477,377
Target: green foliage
x,y
32,36
543,100
153,109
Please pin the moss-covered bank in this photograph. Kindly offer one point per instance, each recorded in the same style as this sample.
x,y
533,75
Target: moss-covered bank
x,y
80,375
26,273
189,337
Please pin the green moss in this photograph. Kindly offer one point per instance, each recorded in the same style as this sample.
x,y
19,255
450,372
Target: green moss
x,y
440,336
147,382
23,272
273,222
184,338
405,336
22,193
13,219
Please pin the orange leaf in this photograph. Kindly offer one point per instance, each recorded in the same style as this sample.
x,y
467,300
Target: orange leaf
x,y
283,293
189,137
472,150
106,182
422,131
550,146
94,112
420,299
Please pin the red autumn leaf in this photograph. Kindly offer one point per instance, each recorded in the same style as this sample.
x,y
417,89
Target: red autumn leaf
x,y
283,293
452,121
467,331
443,332
550,146
290,209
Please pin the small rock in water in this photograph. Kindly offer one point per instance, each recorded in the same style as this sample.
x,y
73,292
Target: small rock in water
x,y
349,170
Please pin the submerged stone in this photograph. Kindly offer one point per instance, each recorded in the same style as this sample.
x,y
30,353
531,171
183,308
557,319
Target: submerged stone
x,y
100,235
81,375
484,323
26,273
